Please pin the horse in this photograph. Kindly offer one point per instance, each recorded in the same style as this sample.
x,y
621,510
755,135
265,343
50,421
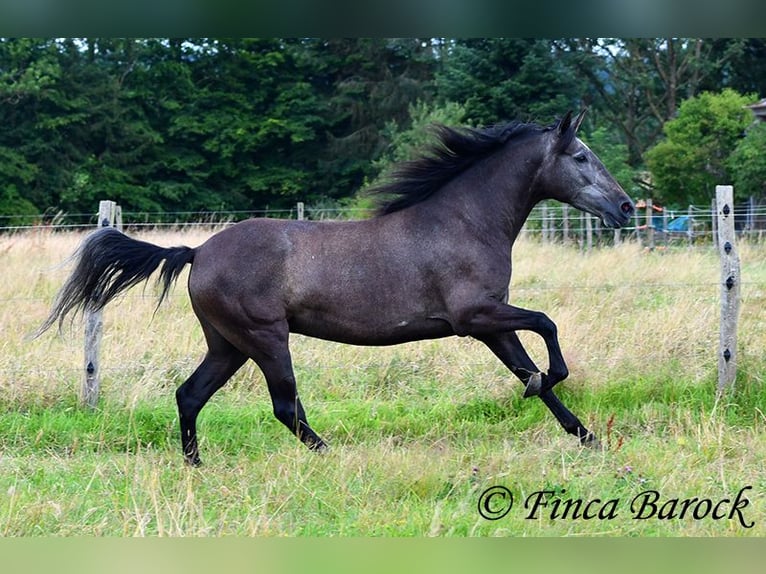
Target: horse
x,y
433,261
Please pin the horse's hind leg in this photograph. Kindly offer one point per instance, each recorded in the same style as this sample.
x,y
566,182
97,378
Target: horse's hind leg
x,y
508,348
284,397
268,348
220,363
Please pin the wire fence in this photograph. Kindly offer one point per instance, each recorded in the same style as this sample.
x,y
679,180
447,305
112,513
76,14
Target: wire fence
x,y
705,292
651,225
171,219
550,222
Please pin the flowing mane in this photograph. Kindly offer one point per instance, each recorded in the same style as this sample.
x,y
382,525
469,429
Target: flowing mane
x,y
454,151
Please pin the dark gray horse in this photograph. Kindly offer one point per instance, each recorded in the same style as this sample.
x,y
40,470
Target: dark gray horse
x,y
435,261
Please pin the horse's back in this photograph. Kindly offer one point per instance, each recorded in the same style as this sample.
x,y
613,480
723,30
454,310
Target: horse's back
x,y
271,262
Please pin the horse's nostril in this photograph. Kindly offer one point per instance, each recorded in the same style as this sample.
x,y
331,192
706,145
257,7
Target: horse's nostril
x,y
627,207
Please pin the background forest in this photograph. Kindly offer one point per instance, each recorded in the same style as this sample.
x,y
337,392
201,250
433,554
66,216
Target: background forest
x,y
208,124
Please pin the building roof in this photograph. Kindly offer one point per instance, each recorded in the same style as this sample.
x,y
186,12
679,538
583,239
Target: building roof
x,y
759,109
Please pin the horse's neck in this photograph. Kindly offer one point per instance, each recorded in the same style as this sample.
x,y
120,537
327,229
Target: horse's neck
x,y
487,198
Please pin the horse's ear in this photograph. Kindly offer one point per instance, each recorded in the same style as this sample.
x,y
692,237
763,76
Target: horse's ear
x,y
578,120
565,124
565,133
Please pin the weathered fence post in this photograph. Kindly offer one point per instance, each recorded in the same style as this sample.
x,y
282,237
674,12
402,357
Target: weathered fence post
x,y
649,224
109,215
565,223
730,282
300,209
690,226
714,223
750,217
552,224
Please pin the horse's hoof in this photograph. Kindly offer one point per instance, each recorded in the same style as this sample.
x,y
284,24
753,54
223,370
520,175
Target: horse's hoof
x,y
534,385
318,446
590,441
193,462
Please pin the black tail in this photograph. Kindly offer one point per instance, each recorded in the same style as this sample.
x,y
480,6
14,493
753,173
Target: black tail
x,y
108,263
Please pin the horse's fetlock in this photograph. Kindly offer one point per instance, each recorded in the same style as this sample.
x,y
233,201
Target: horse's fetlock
x,y
534,385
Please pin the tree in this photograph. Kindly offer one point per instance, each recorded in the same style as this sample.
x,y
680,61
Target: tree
x,y
249,117
504,79
28,69
100,113
410,138
742,65
362,84
747,163
693,158
636,84
614,156
195,124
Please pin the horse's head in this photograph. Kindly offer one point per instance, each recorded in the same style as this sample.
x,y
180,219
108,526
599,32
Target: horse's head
x,y
572,173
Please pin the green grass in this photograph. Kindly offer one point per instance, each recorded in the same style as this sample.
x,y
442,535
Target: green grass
x,y
417,432
396,467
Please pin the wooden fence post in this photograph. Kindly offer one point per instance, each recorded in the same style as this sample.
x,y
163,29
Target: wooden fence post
x,y
690,227
300,210
714,223
730,287
649,225
109,215
551,217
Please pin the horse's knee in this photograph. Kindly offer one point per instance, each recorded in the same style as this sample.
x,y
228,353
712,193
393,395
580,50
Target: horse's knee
x,y
557,375
286,413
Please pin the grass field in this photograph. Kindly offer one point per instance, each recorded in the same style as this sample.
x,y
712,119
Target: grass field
x,y
417,432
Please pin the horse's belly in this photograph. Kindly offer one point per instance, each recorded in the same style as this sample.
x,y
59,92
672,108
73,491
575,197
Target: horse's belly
x,y
369,331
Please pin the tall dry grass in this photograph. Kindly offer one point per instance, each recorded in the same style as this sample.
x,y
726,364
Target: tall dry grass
x,y
621,312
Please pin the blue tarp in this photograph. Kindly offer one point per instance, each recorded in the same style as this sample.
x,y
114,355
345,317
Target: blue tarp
x,y
679,224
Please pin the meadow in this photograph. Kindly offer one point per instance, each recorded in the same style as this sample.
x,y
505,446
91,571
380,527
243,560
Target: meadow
x,y
418,432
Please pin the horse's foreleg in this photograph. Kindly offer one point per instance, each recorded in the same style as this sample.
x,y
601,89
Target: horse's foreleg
x,y
568,420
508,348
499,322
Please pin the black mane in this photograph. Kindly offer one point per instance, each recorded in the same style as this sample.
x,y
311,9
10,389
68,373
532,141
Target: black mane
x,y
455,150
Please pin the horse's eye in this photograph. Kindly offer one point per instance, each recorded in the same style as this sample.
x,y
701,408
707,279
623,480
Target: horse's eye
x,y
580,157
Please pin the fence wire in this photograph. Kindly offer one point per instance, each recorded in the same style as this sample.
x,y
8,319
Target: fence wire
x,y
545,221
